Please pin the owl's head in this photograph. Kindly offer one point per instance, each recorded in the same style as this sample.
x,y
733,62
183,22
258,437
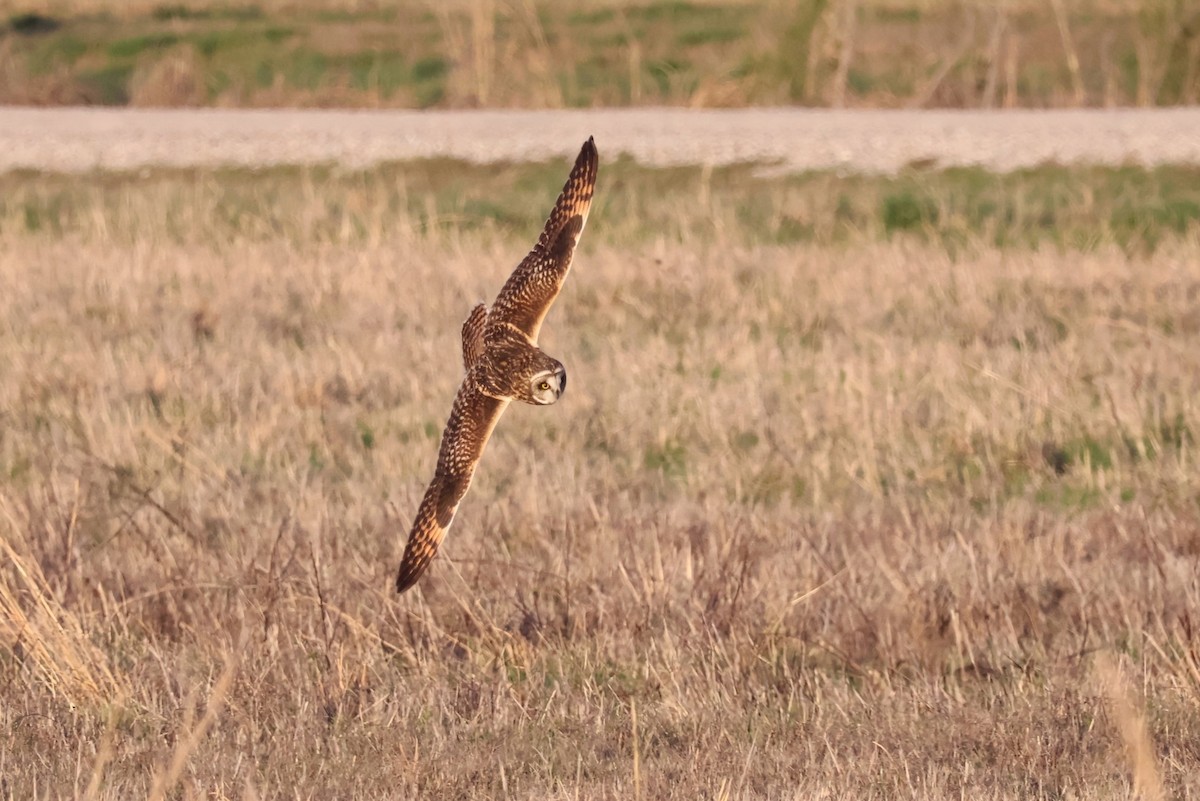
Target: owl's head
x,y
546,385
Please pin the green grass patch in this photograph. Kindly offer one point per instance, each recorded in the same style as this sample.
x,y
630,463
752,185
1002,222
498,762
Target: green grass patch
x,y
213,43
1072,208
594,17
385,72
305,68
1069,498
182,11
136,45
109,86
907,211
430,68
704,36
56,51
668,458
428,77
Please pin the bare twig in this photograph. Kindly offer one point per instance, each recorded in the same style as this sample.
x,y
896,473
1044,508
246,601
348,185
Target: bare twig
x,y
1064,31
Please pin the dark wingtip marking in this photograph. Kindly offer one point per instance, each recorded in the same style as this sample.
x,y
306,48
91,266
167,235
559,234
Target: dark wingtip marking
x,y
416,561
588,155
408,576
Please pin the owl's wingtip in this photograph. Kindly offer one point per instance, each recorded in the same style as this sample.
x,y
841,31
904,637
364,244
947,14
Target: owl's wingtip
x,y
588,158
406,580
414,563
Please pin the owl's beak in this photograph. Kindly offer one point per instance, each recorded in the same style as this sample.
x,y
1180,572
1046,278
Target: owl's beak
x,y
561,374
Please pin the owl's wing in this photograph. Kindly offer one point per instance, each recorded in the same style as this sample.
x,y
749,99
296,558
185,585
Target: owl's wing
x,y
529,291
472,336
472,419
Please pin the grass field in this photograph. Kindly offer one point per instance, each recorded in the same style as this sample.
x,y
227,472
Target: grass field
x,y
851,495
540,54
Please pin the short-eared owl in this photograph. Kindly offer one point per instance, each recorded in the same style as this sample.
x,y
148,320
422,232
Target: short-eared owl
x,y
503,363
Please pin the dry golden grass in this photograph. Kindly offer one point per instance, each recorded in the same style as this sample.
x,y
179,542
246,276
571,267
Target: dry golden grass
x,y
812,521
129,7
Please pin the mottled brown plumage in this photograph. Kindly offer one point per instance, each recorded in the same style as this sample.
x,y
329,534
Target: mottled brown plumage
x,y
503,363
472,336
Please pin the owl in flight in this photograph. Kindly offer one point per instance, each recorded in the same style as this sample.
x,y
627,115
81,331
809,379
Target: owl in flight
x,y
503,363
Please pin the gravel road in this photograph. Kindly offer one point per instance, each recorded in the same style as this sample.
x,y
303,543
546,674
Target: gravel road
x,y
77,139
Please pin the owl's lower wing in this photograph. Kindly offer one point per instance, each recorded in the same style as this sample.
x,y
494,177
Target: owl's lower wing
x,y
472,420
533,286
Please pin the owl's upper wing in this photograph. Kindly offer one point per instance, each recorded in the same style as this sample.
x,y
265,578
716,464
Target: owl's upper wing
x,y
472,419
472,336
529,291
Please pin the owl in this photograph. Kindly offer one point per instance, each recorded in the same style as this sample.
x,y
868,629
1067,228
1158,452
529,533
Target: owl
x,y
503,363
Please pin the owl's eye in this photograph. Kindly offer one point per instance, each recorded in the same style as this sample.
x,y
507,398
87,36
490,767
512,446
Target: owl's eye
x,y
544,385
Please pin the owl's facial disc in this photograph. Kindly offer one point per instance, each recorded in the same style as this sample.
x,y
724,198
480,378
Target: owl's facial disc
x,y
548,386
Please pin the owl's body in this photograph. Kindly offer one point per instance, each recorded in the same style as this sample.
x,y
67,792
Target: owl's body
x,y
503,363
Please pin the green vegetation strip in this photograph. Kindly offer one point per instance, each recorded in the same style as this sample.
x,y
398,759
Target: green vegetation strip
x,y
1068,207
541,54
